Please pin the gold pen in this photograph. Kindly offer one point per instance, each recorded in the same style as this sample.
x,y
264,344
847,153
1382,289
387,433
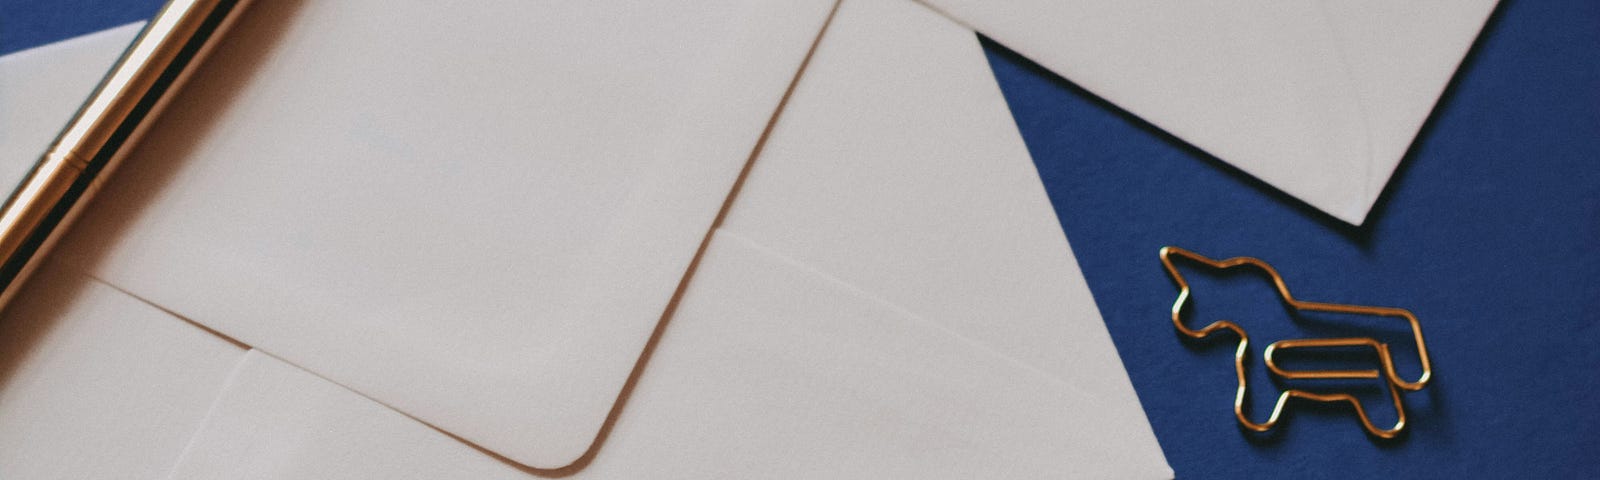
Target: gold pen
x,y
131,95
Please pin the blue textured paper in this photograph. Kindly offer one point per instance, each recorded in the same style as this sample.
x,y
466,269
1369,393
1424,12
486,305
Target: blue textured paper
x,y
30,23
1490,232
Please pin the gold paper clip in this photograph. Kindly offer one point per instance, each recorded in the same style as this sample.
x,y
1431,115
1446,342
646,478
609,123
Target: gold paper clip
x,y
1393,380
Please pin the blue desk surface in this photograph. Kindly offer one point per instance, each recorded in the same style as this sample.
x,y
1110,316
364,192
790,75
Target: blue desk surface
x,y
1490,233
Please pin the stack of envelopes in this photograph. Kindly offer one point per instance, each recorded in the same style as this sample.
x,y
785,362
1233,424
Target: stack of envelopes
x,y
716,239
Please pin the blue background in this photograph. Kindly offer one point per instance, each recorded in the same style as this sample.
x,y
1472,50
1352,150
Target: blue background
x,y
1489,232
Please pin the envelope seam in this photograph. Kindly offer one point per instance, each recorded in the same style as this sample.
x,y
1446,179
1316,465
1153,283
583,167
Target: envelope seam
x,y
228,383
648,350
869,296
235,342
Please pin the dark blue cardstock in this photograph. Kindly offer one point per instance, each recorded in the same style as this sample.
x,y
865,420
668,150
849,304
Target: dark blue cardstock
x,y
1489,232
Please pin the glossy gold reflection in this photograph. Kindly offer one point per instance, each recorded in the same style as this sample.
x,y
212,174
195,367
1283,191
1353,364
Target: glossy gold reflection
x,y
1393,380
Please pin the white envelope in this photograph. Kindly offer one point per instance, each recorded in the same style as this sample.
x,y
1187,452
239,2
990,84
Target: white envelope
x,y
768,370
475,215
96,384
890,260
93,382
1320,99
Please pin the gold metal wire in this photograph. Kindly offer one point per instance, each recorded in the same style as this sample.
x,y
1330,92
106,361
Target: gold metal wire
x,y
1393,380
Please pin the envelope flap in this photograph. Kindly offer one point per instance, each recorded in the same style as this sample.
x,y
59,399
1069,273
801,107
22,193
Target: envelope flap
x,y
473,215
896,167
1319,99
897,172
1400,57
767,371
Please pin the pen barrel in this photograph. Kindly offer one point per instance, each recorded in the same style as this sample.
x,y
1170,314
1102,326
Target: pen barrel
x,y
131,94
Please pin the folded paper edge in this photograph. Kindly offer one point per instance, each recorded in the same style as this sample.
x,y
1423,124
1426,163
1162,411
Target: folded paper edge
x,y
620,403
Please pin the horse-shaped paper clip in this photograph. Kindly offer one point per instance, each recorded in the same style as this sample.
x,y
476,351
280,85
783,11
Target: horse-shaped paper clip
x,y
1393,380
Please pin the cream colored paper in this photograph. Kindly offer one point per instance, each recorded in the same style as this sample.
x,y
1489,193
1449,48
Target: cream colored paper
x,y
768,370
783,361
1320,99
95,384
474,215
970,347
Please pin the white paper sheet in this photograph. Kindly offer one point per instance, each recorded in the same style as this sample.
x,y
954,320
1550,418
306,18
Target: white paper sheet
x,y
474,215
898,169
957,327
768,371
1320,99
781,360
95,384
